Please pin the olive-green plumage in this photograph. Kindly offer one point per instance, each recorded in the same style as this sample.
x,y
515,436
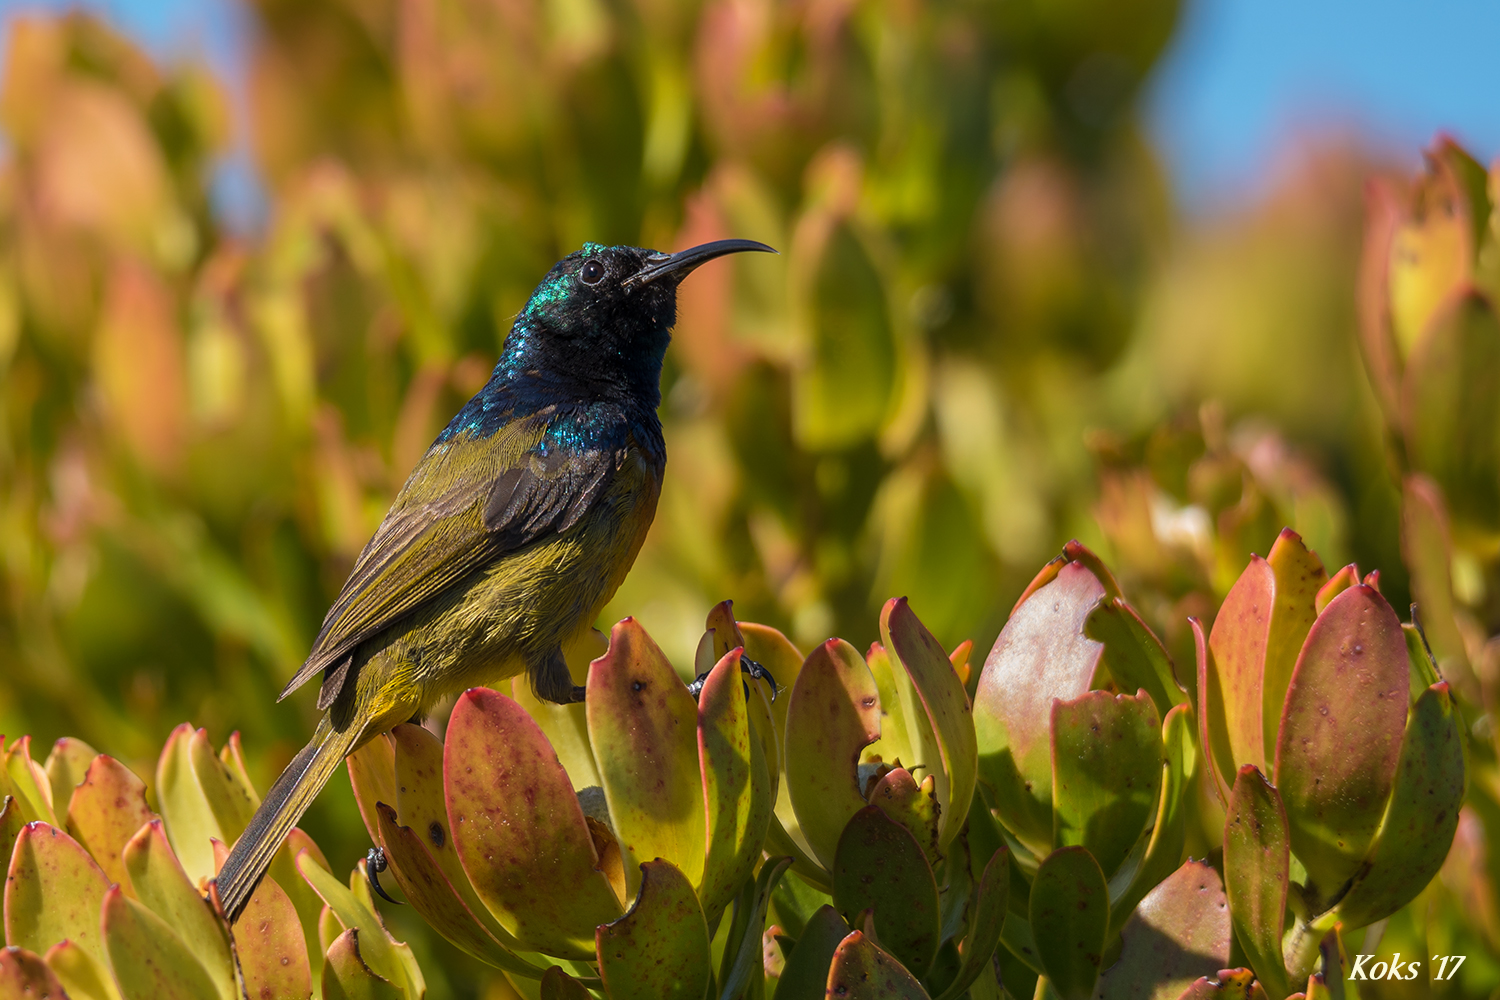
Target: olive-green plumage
x,y
509,536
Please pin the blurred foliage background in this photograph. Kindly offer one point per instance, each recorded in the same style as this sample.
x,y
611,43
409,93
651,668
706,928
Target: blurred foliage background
x,y
989,331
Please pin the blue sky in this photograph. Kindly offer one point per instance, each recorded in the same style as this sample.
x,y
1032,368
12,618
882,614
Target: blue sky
x,y
1242,81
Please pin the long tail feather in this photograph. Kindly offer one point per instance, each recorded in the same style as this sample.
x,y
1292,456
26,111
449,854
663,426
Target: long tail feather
x,y
282,807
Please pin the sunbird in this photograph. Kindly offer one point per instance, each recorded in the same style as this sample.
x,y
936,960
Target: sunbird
x,y
510,535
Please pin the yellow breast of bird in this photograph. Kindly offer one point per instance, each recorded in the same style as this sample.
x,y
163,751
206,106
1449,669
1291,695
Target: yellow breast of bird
x,y
530,601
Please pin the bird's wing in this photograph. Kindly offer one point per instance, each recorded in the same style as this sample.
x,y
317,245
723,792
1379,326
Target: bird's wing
x,y
468,502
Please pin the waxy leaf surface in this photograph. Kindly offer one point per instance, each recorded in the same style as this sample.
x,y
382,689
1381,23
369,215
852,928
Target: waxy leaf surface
x,y
66,766
1341,733
1042,654
105,810
863,971
158,881
881,866
1069,920
985,919
834,714
82,975
1106,772
389,960
644,727
348,976
190,818
1257,867
269,944
519,830
372,772
912,805
23,975
53,892
805,976
659,950
1179,933
1422,818
149,960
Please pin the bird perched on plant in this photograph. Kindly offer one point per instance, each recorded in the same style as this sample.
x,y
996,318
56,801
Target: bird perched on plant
x,y
509,536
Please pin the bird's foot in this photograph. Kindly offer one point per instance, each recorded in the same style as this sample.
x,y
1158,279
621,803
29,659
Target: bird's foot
x,y
748,667
375,863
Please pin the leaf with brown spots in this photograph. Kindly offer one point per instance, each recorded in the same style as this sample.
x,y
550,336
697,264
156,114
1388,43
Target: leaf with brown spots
x,y
1179,932
861,970
24,974
269,944
881,866
53,892
105,811
834,713
158,881
644,728
66,766
519,830
660,949
1257,870
1069,920
372,772
147,956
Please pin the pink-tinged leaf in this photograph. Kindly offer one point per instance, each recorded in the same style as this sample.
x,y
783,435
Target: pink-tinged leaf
x,y
1427,550
1238,643
1106,773
519,830
985,920
1211,731
660,949
1041,655
84,977
106,810
861,970
1081,554
160,884
270,945
29,783
11,824
1422,817
347,975
1257,870
308,903
1336,585
430,893
881,867
1044,576
148,958
940,724
1341,733
53,891
23,974
833,715
372,772
644,728
66,766
805,976
1069,920
1299,575
736,785
1179,933
912,805
190,819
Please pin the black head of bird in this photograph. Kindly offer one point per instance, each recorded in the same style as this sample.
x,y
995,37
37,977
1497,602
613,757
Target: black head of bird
x,y
510,535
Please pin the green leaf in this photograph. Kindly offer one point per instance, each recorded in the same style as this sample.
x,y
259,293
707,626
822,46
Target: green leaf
x,y
1257,860
862,971
105,810
940,725
880,865
1041,655
231,802
1180,932
158,881
1341,733
894,744
912,805
558,985
1420,822
1069,920
519,830
805,976
736,786
986,920
391,961
833,715
190,818
1336,585
270,945
660,948
66,766
1106,772
1133,654
431,893
149,960
347,976
643,725
23,974
743,964
84,977
1163,849
1212,736
1298,575
53,891
1427,550
29,783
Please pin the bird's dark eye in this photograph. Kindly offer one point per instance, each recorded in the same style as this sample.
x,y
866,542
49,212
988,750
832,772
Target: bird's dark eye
x,y
591,273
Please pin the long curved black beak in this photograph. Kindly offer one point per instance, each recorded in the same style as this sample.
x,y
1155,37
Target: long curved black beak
x,y
677,265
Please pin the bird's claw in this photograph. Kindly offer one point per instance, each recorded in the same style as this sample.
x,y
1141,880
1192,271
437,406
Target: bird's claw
x,y
375,863
747,666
